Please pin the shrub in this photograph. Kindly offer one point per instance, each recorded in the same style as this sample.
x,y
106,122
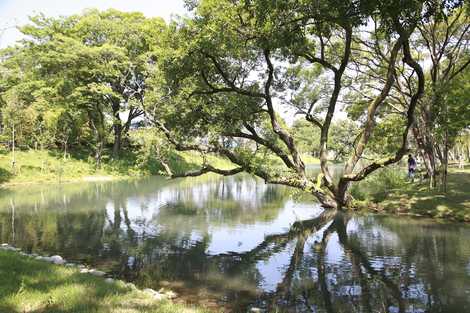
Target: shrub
x,y
376,187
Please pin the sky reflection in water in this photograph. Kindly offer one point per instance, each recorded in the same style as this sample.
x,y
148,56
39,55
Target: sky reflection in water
x,y
237,243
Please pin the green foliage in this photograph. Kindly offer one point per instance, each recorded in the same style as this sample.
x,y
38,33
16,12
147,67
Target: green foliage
x,y
343,134
376,187
307,137
74,77
151,149
387,135
457,117
215,82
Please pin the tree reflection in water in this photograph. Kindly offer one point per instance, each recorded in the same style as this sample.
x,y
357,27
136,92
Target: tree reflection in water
x,y
228,243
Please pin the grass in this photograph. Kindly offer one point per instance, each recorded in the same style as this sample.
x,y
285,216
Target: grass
x,y
41,166
185,161
46,166
310,160
28,285
416,198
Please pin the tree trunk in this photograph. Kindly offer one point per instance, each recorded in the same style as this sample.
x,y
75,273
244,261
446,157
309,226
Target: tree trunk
x,y
13,161
117,128
446,151
342,197
117,140
98,129
65,149
98,153
445,165
426,150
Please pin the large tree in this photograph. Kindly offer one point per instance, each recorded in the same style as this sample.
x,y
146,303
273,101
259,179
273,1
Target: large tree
x,y
445,40
441,43
227,71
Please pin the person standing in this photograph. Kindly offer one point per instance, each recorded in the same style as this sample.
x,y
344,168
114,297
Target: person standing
x,y
411,167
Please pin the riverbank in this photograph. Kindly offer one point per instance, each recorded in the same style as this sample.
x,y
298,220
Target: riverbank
x,y
417,199
44,166
388,191
30,285
41,166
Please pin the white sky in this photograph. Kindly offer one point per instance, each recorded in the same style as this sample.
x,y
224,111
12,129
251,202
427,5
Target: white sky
x,y
16,12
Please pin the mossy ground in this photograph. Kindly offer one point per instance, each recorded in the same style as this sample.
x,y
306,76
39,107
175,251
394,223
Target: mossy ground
x,y
28,285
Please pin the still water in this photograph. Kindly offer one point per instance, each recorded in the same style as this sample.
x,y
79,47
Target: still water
x,y
235,243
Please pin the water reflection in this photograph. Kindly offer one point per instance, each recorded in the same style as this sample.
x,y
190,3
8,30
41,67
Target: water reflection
x,y
237,243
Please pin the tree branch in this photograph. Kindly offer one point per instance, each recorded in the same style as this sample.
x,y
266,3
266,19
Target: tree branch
x,y
408,59
328,180
208,169
277,128
372,109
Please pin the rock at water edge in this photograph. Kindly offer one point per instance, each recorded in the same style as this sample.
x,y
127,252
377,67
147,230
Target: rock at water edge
x,y
97,273
57,259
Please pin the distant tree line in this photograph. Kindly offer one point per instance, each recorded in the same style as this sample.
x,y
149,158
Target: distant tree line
x,y
78,80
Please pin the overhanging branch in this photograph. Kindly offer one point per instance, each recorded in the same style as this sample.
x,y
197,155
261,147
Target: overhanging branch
x,y
209,169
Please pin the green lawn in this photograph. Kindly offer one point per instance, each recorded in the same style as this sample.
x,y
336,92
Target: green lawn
x,y
27,285
310,160
46,166
417,198
41,166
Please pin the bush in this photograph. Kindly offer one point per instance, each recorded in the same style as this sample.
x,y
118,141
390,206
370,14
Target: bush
x,y
376,186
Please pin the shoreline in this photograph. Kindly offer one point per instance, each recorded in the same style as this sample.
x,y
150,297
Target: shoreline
x,y
106,294
405,199
83,269
84,179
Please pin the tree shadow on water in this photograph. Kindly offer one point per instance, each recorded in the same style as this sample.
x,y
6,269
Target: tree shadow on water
x,y
310,282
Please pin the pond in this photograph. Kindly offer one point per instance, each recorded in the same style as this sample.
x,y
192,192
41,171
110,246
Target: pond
x,y
235,243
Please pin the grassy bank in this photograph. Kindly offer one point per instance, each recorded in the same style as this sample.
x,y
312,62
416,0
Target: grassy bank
x,y
310,160
28,285
389,191
36,166
41,166
46,166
